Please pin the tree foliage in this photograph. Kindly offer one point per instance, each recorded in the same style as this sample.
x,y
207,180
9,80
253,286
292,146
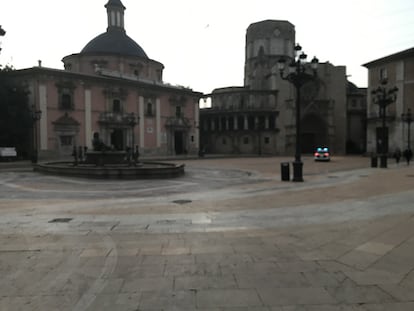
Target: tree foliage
x,y
15,116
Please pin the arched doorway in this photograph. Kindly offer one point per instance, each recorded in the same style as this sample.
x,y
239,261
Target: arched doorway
x,y
314,133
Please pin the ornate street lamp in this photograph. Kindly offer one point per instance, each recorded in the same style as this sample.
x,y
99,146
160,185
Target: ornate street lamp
x,y
383,97
36,115
298,76
407,118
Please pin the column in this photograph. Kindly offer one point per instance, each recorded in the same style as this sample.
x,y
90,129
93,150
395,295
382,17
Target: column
x,y
141,122
158,121
88,119
196,125
43,120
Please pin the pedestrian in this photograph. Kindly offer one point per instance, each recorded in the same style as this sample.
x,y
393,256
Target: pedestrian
x,y
397,155
408,155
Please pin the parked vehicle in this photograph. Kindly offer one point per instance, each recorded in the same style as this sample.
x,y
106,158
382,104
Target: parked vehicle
x,y
322,154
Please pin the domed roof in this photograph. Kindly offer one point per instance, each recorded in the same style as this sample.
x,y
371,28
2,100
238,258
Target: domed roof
x,y
114,42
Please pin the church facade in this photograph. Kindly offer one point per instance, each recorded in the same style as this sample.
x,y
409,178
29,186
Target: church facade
x,y
259,117
114,89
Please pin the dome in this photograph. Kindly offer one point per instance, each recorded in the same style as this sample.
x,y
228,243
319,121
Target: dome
x,y
114,42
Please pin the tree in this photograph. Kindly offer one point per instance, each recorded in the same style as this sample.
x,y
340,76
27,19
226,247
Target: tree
x,y
15,116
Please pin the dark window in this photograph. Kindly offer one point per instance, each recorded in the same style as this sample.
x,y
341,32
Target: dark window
x,y
116,105
150,111
267,140
245,140
231,123
240,123
66,101
272,124
178,111
66,140
250,121
224,141
223,124
383,73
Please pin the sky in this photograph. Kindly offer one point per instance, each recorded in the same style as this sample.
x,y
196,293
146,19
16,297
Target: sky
x,y
202,42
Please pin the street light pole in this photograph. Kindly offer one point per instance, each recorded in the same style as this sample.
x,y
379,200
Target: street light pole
x,y
384,97
36,115
407,118
298,76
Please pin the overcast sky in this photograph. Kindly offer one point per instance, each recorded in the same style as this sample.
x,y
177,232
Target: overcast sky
x,y
201,42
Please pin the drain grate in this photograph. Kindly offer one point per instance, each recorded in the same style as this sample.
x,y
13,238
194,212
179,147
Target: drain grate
x,y
182,201
60,220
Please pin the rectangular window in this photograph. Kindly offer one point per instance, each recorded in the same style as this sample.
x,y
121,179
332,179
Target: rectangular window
x,y
116,105
66,140
178,111
224,142
267,140
150,111
245,140
66,101
383,74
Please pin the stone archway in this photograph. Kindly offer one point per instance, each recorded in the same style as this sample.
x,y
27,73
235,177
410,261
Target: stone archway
x,y
314,133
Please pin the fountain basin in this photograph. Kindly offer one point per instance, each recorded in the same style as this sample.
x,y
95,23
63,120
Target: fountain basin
x,y
142,170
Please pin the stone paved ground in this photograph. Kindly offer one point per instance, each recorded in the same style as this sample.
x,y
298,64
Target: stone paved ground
x,y
228,236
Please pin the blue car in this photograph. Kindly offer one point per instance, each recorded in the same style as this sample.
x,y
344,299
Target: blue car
x,y
322,154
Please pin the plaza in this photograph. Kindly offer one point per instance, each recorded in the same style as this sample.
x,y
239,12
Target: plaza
x,y
229,235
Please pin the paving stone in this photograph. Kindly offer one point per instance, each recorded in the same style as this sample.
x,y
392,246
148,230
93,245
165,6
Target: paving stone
x,y
204,282
147,284
227,298
399,292
375,248
272,280
295,296
373,276
349,293
397,306
359,259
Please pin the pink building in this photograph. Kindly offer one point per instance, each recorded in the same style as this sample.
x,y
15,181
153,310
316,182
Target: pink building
x,y
112,88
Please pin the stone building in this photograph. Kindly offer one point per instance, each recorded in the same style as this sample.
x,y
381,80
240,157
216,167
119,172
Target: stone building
x,y
112,88
259,117
356,119
398,70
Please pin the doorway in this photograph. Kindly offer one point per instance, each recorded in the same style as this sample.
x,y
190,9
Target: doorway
x,y
179,142
117,139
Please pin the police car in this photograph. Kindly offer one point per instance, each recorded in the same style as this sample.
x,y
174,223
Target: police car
x,y
322,154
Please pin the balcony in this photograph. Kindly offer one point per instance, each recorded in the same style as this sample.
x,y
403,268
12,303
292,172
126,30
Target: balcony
x,y
178,123
119,119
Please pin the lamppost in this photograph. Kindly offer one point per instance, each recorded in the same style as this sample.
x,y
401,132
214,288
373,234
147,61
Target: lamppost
x,y
407,118
36,115
383,97
298,76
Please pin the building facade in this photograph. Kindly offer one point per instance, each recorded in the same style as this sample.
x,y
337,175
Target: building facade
x,y
112,88
398,71
259,117
356,119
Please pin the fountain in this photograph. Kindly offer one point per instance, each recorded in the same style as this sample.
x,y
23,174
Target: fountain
x,y
103,162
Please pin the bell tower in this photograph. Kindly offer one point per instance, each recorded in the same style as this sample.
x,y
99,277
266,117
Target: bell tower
x,y
266,42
